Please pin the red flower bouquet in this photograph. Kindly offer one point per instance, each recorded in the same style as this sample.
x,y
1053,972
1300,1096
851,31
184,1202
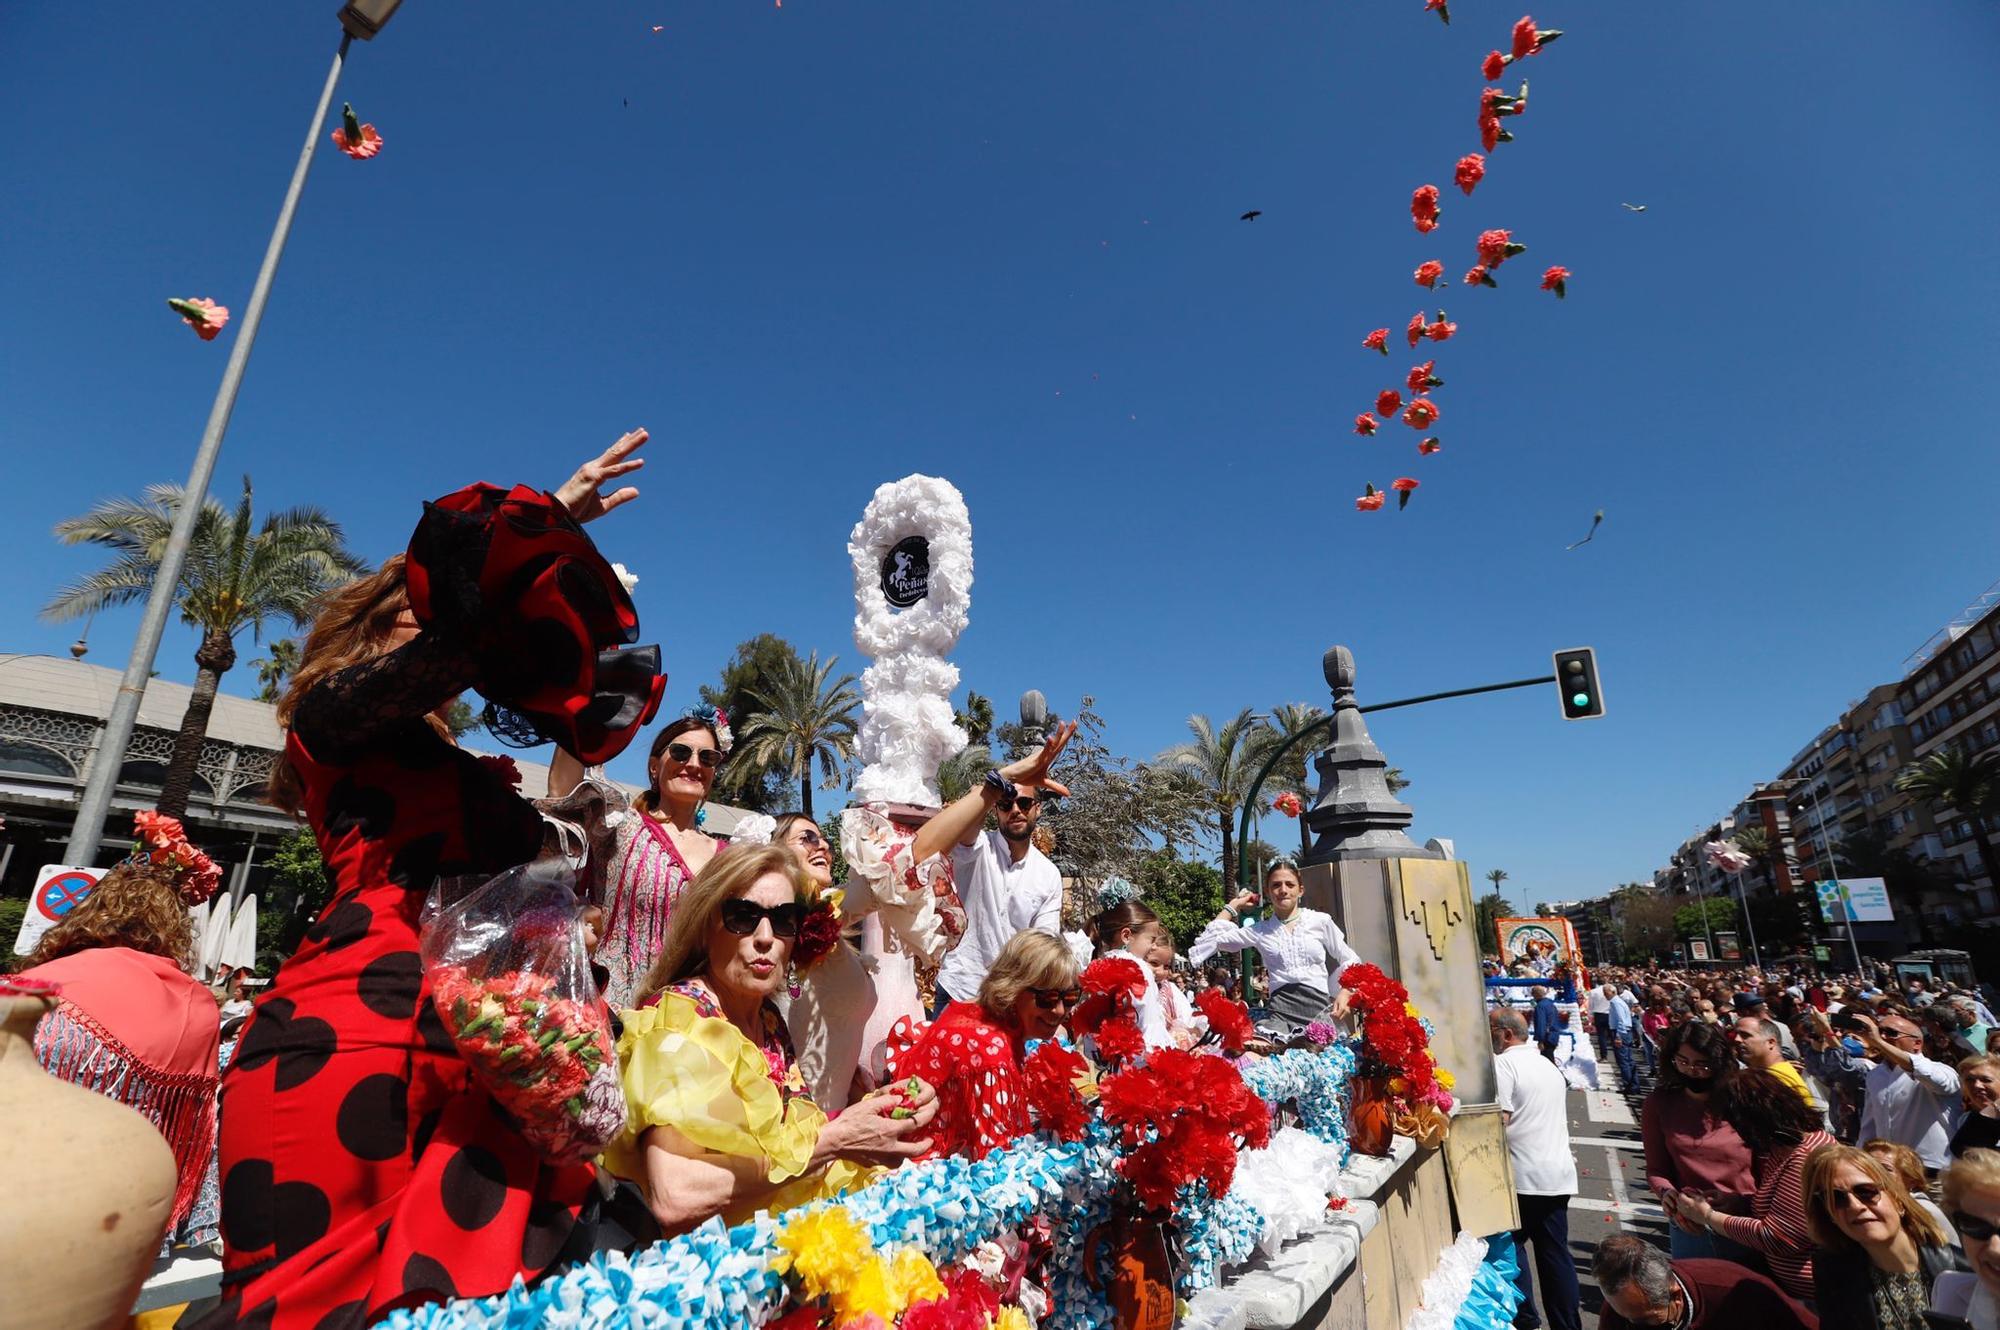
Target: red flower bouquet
x,y
1049,1076
1228,1019
1393,1041
1187,1114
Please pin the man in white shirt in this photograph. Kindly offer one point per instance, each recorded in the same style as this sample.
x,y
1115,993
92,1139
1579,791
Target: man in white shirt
x,y
1598,1003
1535,1099
1006,885
1910,1099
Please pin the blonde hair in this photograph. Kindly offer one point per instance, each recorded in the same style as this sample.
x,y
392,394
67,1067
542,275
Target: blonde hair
x,y
1978,1060
1818,1177
1975,1170
1029,960
132,905
729,874
1902,1160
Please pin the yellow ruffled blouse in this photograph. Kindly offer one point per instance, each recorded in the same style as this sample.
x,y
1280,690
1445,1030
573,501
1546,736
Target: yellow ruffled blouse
x,y
685,1066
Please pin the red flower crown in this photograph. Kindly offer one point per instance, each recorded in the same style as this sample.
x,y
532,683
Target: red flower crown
x,y
162,840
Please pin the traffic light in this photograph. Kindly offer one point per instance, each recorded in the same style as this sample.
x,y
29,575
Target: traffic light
x,y
1576,684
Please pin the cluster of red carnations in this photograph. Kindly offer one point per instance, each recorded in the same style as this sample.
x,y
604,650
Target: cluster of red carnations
x,y
1108,1014
1049,1077
1228,1020
536,1050
1393,1041
819,931
1494,248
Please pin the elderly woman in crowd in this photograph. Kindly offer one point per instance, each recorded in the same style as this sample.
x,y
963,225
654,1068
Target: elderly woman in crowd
x,y
1782,1131
972,1053
1690,1145
1972,1199
1979,1083
1909,1170
1878,1253
718,1118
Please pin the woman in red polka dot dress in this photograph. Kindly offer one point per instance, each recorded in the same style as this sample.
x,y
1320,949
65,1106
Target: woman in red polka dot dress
x,y
362,1166
972,1053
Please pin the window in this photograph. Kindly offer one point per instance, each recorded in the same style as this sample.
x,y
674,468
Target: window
x,y
33,760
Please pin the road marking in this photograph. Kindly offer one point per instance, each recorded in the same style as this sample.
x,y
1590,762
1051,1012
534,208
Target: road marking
x,y
1623,1209
1607,1142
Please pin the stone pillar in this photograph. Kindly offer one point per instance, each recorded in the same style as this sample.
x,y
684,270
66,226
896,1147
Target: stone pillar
x,y
1408,909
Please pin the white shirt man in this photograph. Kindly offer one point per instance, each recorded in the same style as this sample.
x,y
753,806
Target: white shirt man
x,y
1910,1099
1535,1098
1003,893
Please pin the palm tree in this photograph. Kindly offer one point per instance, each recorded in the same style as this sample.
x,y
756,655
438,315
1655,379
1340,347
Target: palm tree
x,y
237,576
1964,782
280,661
960,773
1222,763
1496,876
976,720
801,717
1393,777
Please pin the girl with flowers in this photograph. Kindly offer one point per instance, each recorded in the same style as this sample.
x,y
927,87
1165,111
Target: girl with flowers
x,y
718,1120
1303,950
1127,927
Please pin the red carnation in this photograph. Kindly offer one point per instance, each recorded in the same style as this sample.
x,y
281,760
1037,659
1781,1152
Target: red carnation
x,y
1370,501
1477,275
1404,486
1556,279
1364,423
1424,208
1442,330
1379,339
1420,414
1429,446
1443,10
1428,273
818,933
1048,1077
1422,380
1490,132
1470,171
1119,1039
1495,63
1112,975
1387,402
1496,247
1228,1020
1528,40
1416,329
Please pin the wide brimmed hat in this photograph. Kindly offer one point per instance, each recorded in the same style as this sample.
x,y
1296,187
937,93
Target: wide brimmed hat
x,y
550,626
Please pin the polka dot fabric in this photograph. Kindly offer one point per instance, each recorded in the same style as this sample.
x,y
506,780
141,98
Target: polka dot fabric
x,y
976,1071
361,1168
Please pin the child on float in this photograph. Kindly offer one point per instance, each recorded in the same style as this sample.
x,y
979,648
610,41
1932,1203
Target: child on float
x,y
1303,951
1124,926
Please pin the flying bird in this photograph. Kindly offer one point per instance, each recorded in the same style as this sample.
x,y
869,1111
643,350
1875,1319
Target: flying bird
x,y
1633,207
1252,215
1592,533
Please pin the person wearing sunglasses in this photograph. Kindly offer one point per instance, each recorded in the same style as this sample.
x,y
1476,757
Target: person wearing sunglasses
x,y
1690,1145
719,1121
1909,1098
1878,1253
973,1051
1972,1199
646,855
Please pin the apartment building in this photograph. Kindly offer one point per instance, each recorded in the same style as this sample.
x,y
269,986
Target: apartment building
x,y
1950,695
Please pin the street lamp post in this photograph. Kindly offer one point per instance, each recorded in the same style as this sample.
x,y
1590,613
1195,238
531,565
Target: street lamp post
x,y
1832,869
363,18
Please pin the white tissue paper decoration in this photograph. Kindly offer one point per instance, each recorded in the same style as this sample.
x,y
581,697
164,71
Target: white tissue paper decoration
x,y
754,829
1444,1292
1289,1182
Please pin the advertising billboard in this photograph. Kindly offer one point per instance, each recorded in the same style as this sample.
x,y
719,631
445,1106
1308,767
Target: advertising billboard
x,y
1860,900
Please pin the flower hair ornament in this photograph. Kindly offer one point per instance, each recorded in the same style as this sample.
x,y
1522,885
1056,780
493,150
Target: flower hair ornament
x,y
163,841
1115,891
819,931
754,829
718,720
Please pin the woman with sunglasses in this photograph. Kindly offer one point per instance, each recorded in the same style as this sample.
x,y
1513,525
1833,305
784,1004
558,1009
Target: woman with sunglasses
x,y
1303,950
1690,1146
1878,1253
973,1051
718,1118
1972,1199
653,851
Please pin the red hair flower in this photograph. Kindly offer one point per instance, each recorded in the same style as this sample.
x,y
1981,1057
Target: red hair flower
x,y
1497,246
1442,330
1429,446
1370,501
202,314
1529,40
1379,339
1495,64
1416,329
1387,401
1422,379
1556,279
1424,208
1470,171
1364,424
357,140
1420,414
1403,485
818,932
1428,273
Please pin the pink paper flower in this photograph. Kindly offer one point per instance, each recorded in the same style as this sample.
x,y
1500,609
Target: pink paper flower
x,y
1416,329
1422,378
1471,170
1420,414
1429,446
1364,423
1442,330
1725,856
357,140
1387,402
1424,209
1495,64
1428,273
1379,339
1556,279
1371,501
202,314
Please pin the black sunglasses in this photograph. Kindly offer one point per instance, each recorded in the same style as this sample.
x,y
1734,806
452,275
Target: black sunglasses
x,y
1865,1194
1048,999
683,754
741,917
811,839
1024,802
1971,1229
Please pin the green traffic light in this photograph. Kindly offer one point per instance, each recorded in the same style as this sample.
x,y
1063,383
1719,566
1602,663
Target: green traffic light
x,y
1579,699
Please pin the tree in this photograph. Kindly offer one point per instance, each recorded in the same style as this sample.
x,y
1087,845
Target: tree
x,y
959,774
1116,807
237,575
976,719
1222,761
1292,773
1645,922
280,662
1956,780
803,715
298,889
1185,893
1688,918
756,665
1487,912
1496,876
460,718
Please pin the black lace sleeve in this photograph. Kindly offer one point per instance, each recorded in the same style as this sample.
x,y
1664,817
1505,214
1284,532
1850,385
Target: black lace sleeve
x,y
347,712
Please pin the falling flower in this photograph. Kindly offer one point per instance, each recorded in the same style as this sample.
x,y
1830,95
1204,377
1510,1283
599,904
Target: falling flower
x,y
1420,414
1556,279
1387,403
1495,63
1443,10
1529,40
1403,485
659,27
206,317
1424,208
1288,804
1497,246
1422,378
1430,445
1471,170
1428,273
1490,133
1364,423
1477,275
1379,339
1442,330
1416,329
357,140
1370,501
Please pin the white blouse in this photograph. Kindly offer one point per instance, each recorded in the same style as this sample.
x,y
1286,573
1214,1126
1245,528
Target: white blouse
x,y
1294,951
1148,1008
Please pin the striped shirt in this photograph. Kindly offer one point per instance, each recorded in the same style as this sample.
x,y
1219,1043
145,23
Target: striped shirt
x,y
1776,1224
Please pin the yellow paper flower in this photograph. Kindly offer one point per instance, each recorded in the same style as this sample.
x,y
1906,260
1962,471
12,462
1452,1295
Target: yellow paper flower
x,y
1446,1079
869,1291
1013,1318
915,1278
1410,1009
1397,1085
825,1250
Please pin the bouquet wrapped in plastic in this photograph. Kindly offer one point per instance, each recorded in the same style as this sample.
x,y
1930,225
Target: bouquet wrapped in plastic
x,y
510,975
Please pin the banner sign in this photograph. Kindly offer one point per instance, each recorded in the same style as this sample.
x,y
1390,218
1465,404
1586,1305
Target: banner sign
x,y
59,888
1698,948
1860,900
1727,946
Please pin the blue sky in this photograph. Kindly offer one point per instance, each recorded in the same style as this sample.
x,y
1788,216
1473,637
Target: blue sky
x,y
830,244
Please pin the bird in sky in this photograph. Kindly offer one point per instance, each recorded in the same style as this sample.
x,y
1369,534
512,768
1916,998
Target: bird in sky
x,y
1592,532
1633,207
1252,215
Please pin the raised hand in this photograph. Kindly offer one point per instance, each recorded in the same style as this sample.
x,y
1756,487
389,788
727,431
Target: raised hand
x,y
580,493
1032,771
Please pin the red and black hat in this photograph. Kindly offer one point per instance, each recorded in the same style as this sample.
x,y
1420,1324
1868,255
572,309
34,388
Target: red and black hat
x,y
551,627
